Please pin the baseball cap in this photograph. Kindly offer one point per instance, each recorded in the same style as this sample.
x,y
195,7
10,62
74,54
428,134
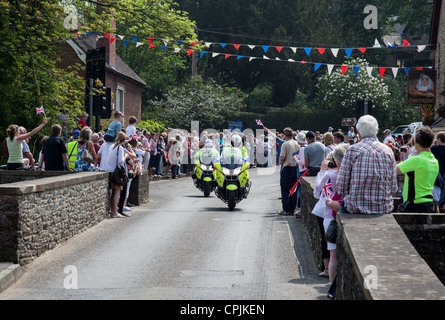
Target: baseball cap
x,y
76,133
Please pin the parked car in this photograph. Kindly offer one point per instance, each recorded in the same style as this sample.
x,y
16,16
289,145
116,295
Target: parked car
x,y
400,130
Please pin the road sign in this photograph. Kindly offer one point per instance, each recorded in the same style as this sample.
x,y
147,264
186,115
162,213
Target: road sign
x,y
348,122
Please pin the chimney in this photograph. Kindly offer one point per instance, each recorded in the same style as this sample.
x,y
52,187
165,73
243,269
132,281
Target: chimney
x,y
110,46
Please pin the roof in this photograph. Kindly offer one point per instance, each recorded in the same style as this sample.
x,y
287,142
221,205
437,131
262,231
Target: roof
x,y
121,68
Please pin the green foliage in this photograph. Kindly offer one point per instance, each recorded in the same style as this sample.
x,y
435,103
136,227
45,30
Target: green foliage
x,y
152,125
199,100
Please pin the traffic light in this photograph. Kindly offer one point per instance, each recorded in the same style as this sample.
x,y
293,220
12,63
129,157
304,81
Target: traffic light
x,y
105,108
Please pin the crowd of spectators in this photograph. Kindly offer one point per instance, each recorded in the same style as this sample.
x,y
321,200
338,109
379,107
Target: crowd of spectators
x,y
355,173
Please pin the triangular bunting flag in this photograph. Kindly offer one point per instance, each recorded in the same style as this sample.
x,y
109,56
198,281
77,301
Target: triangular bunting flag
x,y
138,44
251,47
107,35
293,49
179,42
407,70
121,37
316,66
303,62
163,48
112,40
126,42
165,42
382,71
362,50
343,69
189,52
308,51
279,48
420,48
202,53
406,43
236,46
348,52
177,50
377,44
223,44
265,48
251,58
390,45
395,71
135,39
356,69
151,39
227,55
208,44
239,57
266,57
369,71
214,54
193,43
330,68
151,46
291,60
334,52
321,50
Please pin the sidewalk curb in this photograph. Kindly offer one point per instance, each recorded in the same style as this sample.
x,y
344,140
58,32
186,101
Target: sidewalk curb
x,y
10,275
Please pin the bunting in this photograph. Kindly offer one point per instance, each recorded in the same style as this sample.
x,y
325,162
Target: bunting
x,y
189,48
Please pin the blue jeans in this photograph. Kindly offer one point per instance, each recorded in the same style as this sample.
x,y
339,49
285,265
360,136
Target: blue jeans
x,y
288,178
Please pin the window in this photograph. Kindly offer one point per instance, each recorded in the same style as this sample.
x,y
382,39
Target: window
x,y
120,93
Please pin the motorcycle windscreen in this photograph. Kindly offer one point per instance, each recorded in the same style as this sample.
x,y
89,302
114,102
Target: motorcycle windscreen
x,y
231,158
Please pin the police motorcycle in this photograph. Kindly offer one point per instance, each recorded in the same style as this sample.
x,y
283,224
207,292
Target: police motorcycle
x,y
203,177
232,175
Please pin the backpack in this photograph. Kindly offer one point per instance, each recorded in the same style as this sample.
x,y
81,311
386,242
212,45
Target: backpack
x,y
5,148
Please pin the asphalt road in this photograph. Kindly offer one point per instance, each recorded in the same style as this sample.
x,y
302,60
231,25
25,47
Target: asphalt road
x,y
182,246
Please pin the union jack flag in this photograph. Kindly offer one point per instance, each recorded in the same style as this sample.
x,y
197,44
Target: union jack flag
x,y
40,110
258,122
327,189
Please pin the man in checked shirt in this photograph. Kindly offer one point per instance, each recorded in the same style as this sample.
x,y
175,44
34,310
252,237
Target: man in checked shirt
x,y
367,179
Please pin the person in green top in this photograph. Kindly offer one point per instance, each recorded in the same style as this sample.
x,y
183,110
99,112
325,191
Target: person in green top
x,y
421,171
14,143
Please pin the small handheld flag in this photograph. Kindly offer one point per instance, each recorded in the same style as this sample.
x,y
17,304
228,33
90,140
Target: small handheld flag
x,y
258,122
294,188
40,110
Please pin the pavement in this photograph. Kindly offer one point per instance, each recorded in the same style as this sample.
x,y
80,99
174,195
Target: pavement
x,y
9,274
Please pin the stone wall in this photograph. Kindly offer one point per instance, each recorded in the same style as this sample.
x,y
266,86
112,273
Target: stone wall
x,y
37,215
376,260
426,232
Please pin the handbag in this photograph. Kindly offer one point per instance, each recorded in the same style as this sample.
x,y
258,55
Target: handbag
x,y
119,175
87,156
331,232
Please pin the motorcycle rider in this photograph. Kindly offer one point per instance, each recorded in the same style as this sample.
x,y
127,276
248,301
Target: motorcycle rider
x,y
235,154
207,154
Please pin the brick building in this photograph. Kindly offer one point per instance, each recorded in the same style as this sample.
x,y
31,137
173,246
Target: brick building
x,y
437,38
126,86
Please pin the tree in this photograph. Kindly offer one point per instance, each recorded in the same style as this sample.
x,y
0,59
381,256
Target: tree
x,y
340,93
199,100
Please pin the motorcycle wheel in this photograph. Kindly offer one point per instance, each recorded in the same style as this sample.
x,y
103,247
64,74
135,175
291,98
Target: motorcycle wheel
x,y
231,200
207,189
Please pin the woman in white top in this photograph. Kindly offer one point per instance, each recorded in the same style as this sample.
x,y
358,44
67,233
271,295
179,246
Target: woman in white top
x,y
116,157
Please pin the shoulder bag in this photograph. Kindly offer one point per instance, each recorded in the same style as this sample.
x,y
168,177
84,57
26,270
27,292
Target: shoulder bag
x,y
331,232
119,175
87,155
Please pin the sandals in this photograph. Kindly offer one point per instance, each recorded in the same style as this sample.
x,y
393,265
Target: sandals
x,y
324,274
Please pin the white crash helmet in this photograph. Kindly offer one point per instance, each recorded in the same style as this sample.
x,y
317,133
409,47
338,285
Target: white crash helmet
x,y
236,139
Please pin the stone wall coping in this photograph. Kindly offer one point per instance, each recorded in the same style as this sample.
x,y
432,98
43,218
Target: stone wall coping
x,y
379,241
57,181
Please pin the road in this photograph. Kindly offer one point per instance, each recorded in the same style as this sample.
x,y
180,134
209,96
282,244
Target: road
x,y
182,246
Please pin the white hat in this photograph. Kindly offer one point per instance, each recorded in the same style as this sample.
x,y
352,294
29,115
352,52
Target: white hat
x,y
237,139
301,137
208,143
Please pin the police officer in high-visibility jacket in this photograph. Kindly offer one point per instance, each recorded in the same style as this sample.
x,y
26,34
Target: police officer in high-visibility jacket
x,y
72,149
207,154
235,154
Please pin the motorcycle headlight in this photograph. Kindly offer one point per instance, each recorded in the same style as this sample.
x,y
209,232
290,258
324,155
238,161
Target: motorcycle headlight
x,y
226,171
